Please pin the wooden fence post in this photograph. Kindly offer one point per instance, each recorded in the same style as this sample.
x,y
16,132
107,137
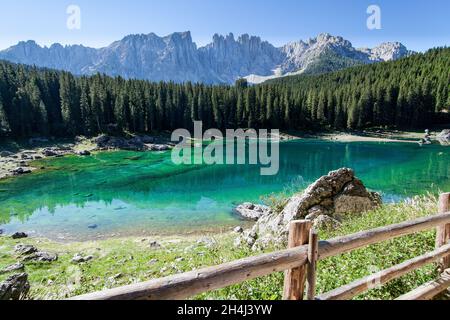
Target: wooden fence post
x,y
313,256
443,232
294,279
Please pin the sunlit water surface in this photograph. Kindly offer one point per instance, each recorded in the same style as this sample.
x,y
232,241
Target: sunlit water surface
x,y
129,193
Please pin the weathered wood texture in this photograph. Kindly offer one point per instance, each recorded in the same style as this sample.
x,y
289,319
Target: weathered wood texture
x,y
429,290
362,239
313,256
443,231
360,286
189,284
294,279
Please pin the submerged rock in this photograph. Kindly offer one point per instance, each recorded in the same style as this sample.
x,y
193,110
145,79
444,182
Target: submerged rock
x,y
19,235
250,211
15,287
84,153
158,147
337,193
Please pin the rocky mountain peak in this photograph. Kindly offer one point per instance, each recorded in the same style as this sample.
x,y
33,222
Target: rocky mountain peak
x,y
390,51
300,55
180,37
29,43
176,57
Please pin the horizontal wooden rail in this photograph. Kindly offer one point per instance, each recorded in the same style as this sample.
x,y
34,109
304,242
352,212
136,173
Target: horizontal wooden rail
x,y
362,239
429,290
189,284
195,282
360,286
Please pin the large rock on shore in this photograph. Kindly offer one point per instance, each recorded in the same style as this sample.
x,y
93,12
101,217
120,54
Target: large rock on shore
x,y
445,134
135,143
41,256
5,154
331,196
19,235
25,249
12,268
106,142
15,287
444,137
20,171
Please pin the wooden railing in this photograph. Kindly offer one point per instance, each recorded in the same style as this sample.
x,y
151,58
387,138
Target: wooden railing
x,y
300,263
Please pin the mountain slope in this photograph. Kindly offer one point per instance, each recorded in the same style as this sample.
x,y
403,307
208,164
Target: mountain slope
x,y
176,57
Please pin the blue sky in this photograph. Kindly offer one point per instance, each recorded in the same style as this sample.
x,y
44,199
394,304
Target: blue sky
x,y
419,24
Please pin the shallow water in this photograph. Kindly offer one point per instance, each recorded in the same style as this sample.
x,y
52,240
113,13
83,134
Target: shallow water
x,y
130,193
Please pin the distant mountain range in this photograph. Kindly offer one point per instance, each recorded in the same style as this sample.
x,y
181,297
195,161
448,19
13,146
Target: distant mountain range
x,y
177,58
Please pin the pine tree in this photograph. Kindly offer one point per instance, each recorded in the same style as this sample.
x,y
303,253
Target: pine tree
x,y
321,108
250,101
69,103
4,123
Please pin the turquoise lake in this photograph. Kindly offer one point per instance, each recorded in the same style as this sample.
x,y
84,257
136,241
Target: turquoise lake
x,y
129,193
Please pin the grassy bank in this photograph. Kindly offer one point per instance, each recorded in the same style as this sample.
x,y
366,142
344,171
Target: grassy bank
x,y
120,262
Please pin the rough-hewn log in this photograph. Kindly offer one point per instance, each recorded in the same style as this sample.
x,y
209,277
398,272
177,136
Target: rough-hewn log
x,y
362,239
362,285
294,279
429,290
189,284
313,256
443,231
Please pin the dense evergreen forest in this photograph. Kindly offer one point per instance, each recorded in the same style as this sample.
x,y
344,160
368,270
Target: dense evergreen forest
x,y
409,93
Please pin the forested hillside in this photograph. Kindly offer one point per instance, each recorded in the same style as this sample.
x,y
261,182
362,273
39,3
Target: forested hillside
x,y
406,93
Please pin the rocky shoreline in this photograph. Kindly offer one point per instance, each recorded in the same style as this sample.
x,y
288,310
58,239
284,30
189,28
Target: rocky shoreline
x,y
15,163
324,203
21,162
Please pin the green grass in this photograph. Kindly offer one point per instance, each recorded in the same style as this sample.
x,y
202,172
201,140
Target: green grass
x,y
124,261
